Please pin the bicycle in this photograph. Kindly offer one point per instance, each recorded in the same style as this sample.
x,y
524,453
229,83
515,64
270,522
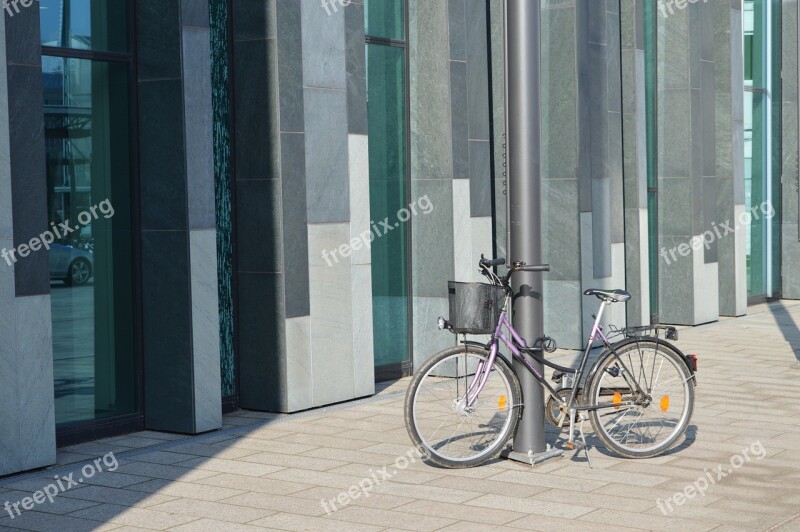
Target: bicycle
x,y
639,394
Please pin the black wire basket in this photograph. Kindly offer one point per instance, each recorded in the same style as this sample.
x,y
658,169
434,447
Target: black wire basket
x,y
474,307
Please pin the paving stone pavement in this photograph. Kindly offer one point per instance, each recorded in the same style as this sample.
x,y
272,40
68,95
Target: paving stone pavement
x,y
271,472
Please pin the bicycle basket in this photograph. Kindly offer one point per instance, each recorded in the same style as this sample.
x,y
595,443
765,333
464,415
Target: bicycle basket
x,y
475,307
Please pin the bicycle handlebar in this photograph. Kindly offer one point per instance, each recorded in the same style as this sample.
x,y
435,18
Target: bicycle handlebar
x,y
492,262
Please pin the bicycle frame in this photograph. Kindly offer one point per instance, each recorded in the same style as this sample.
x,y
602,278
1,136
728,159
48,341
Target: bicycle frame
x,y
518,346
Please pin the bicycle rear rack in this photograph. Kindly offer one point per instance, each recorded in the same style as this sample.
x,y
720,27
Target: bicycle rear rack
x,y
664,332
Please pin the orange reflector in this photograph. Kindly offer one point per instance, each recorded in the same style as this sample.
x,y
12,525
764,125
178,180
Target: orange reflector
x,y
501,402
617,399
665,403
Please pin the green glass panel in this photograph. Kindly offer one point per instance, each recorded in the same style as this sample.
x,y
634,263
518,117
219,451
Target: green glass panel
x,y
384,18
762,144
86,108
99,25
387,170
220,102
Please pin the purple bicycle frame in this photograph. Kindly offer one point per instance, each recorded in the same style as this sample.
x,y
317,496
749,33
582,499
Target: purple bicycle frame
x,y
484,368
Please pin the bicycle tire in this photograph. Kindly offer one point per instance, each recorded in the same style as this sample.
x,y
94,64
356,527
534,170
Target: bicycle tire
x,y
682,372
427,370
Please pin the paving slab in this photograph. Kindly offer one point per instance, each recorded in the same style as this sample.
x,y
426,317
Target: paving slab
x,y
319,470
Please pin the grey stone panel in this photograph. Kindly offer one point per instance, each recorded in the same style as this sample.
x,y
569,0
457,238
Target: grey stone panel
x,y
724,127
262,338
34,365
431,143
162,173
593,118
480,178
206,372
497,68
707,114
258,214
478,61
790,259
459,112
291,60
616,195
194,13
634,251
561,225
500,236
255,96
158,39
602,211
254,19
559,94
562,313
673,44
613,51
294,224
592,21
674,138
428,339
327,179
27,166
356,70
697,148
457,26
198,127
323,45
676,306
711,195
433,233
675,207
23,38
167,331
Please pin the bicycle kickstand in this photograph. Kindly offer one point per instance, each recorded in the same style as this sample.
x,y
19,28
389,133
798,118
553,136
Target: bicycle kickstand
x,y
571,444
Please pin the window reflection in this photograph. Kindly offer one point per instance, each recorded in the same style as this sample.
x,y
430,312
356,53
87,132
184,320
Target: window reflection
x,y
99,25
86,108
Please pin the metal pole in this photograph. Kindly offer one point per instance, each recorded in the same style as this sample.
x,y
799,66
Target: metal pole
x,y
523,30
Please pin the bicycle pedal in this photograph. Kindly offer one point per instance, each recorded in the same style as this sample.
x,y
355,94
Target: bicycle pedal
x,y
570,445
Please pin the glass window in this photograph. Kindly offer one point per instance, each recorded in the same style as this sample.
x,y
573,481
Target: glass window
x,y
86,106
98,25
384,19
761,25
387,170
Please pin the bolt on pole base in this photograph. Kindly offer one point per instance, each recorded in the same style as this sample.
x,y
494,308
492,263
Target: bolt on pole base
x,y
531,457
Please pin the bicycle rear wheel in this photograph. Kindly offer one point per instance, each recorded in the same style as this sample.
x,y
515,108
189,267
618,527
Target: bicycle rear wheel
x,y
661,414
438,420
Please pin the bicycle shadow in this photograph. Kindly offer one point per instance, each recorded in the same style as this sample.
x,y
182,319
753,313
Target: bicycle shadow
x,y
594,443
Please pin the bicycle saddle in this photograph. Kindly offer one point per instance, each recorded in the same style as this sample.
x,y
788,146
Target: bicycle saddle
x,y
612,296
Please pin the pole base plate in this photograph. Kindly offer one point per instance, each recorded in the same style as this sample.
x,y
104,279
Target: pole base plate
x,y
531,457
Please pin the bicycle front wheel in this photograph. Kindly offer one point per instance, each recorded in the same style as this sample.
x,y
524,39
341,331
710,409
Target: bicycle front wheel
x,y
442,425
643,424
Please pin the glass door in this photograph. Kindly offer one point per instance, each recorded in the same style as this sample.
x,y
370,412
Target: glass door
x,y
387,108
87,72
